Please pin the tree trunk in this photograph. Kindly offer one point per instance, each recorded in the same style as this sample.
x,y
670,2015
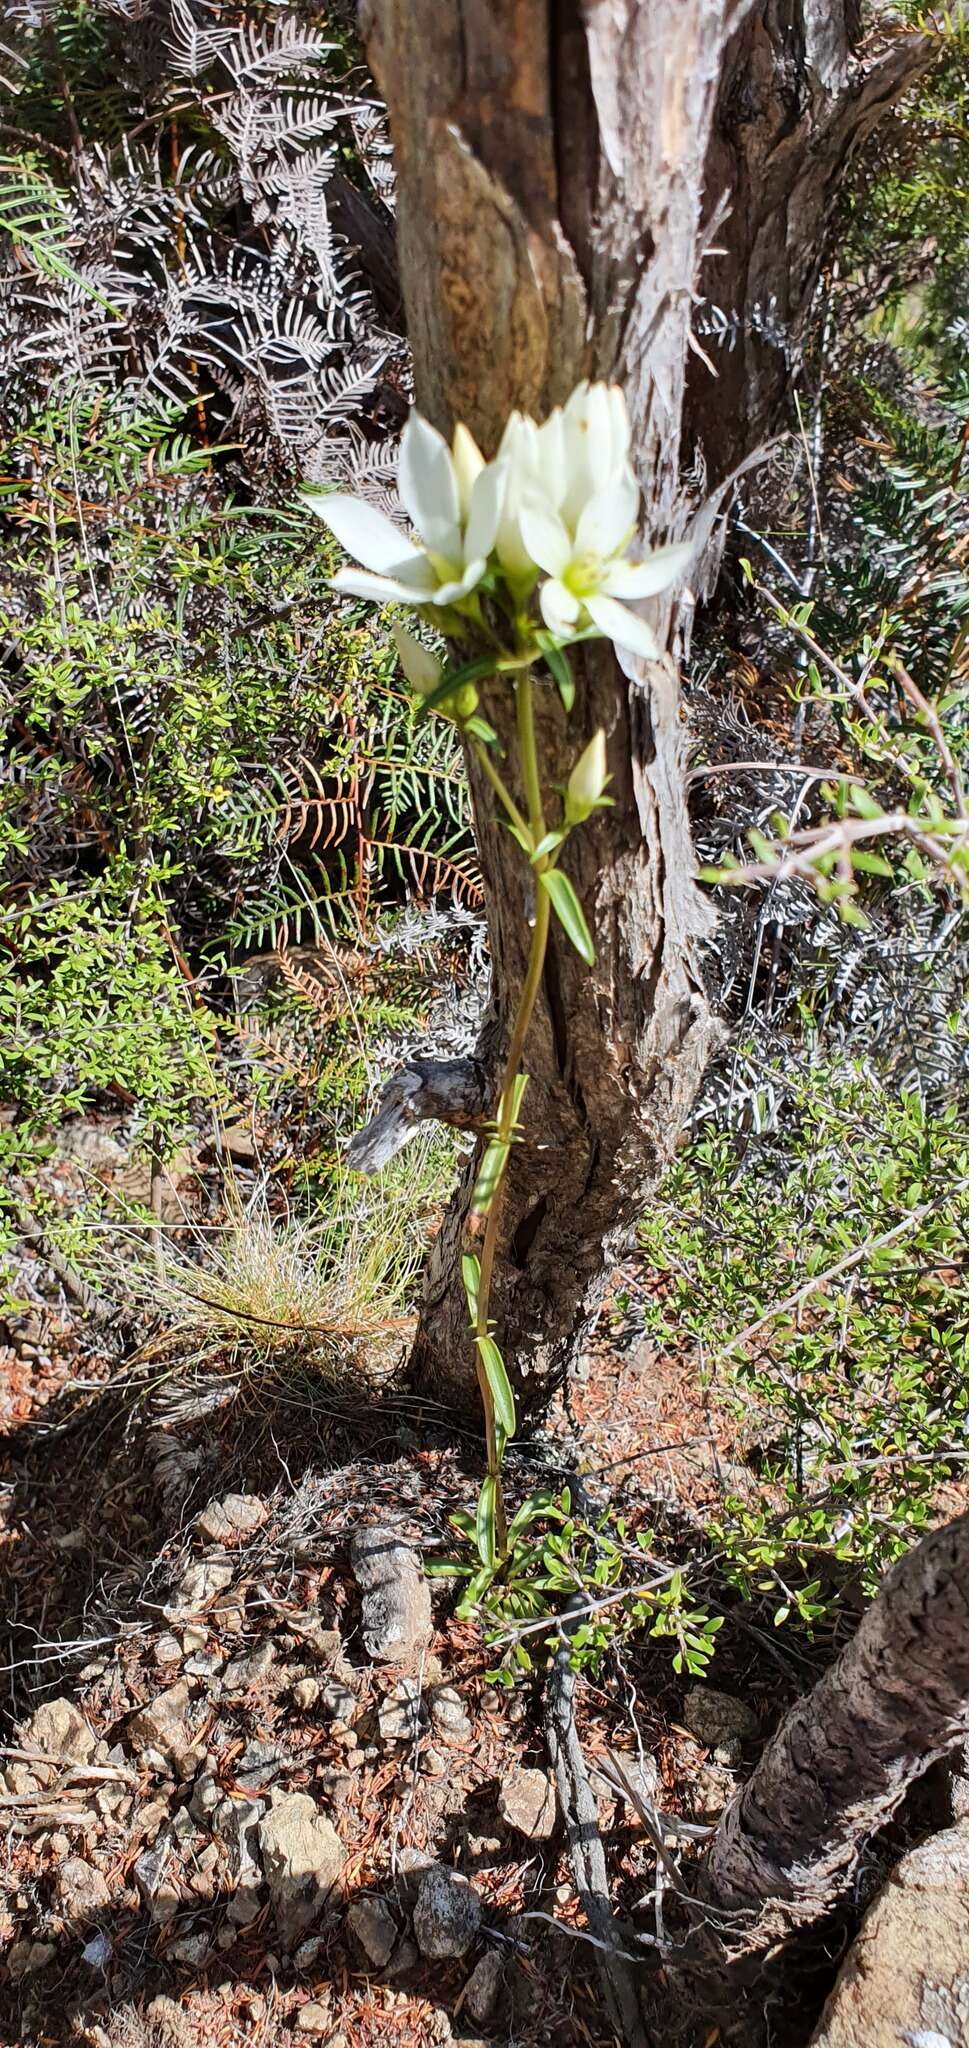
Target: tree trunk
x,y
895,1701
561,171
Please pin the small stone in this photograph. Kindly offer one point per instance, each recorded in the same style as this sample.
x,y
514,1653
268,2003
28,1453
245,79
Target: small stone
x,y
199,1584
306,1692
563,1893
206,1796
314,2017
245,1672
26,1957
406,1957
440,2026
396,1607
307,1953
716,1718
244,1905
97,1952
339,1703
400,1716
374,1928
194,1639
168,1650
60,1731
447,1914
259,1765
204,1664
81,1888
191,1949
303,1857
161,1726
526,1803
229,1520
448,1714
483,1988
432,1764
713,1788
235,1823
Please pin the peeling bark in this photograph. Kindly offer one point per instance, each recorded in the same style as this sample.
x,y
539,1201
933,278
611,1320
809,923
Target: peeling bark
x,y
842,1760
559,169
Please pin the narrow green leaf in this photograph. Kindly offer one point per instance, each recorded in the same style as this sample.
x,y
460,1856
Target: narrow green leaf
x,y
568,910
498,1382
485,1521
548,844
471,1275
490,1175
559,666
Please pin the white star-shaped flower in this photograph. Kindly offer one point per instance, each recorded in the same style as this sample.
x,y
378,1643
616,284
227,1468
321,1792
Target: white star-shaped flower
x,y
452,498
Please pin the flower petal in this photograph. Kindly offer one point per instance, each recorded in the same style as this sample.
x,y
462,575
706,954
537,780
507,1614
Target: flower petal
x,y
487,499
623,627
607,520
428,486
655,573
449,593
420,666
382,589
366,534
560,609
544,535
550,466
468,464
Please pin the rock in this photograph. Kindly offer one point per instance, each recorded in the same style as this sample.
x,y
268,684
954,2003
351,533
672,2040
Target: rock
x,y
244,1905
713,1789
259,1765
168,1650
191,1949
447,1914
198,1585
906,1975
162,1725
719,1721
303,1857
337,1701
643,1777
374,1928
235,1823
204,1664
400,1716
245,1672
149,1869
60,1731
206,1796
81,1888
306,1692
448,1714
314,2017
26,1957
230,1520
526,1804
959,1783
406,1957
483,1988
396,1609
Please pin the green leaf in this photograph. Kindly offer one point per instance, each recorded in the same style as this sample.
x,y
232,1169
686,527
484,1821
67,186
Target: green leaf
x,y
446,1568
481,730
490,1175
485,1521
559,666
548,844
498,1383
471,1275
568,910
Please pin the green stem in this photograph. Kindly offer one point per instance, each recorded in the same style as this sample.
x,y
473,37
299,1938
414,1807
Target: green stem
x,y
504,796
506,1107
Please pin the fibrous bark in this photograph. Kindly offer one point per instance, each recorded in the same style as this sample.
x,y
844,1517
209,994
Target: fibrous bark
x,y
561,170
895,1701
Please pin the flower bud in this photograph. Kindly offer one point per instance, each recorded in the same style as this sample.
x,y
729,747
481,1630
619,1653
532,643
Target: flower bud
x,y
464,701
422,669
587,781
468,464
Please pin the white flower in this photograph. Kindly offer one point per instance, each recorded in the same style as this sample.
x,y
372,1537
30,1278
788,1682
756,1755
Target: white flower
x,y
453,498
588,573
579,451
587,781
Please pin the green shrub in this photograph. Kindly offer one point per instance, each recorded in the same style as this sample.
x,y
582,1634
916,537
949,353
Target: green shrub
x,y
817,1269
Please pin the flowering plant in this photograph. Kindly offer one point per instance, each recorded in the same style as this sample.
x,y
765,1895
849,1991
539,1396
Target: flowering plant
x,y
516,560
